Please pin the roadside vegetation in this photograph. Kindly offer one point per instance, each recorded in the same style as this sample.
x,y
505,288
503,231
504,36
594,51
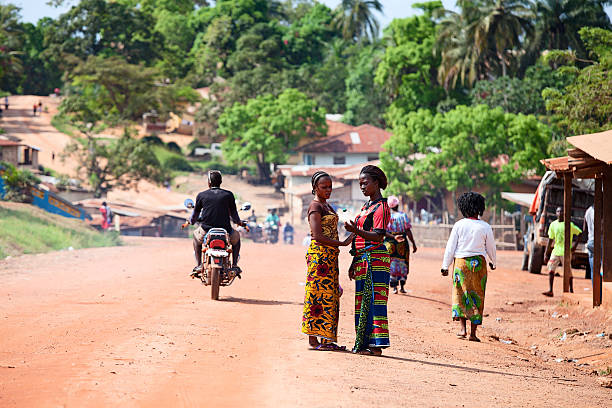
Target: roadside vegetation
x,y
25,229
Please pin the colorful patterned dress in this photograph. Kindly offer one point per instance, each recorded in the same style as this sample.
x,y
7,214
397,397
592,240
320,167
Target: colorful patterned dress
x,y
399,251
322,300
371,263
469,286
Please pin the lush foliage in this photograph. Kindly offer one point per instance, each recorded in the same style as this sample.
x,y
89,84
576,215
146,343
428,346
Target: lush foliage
x,y
585,106
466,148
262,130
108,164
17,183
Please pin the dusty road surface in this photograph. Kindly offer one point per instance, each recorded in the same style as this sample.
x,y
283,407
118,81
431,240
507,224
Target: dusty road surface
x,y
125,327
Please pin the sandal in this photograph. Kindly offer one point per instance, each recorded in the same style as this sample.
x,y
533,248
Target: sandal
x,y
368,352
329,347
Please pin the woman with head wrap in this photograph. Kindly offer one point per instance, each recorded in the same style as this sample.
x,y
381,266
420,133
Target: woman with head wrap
x,y
470,241
322,300
398,233
370,267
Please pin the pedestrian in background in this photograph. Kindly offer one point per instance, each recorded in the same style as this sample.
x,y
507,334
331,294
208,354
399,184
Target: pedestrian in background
x,y
555,249
470,241
34,109
589,225
399,231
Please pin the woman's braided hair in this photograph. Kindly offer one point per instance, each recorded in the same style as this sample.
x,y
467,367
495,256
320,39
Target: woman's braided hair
x,y
315,179
376,174
471,204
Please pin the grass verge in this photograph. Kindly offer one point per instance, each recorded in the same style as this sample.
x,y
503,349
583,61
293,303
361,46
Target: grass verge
x,y
25,229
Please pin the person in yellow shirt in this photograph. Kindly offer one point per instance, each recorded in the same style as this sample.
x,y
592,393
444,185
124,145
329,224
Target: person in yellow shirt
x,y
556,235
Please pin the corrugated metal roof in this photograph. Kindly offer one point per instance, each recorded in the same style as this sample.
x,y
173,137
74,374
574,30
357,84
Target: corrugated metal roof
x,y
598,145
370,138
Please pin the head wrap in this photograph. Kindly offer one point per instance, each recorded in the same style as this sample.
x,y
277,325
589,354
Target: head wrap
x,y
393,201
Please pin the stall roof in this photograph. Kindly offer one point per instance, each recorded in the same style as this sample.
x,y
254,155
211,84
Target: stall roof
x,y
522,199
597,145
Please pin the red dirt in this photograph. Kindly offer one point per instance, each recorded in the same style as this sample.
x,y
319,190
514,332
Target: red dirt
x,y
125,327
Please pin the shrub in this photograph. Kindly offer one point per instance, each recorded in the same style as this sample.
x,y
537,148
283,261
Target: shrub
x,y
153,139
17,183
177,163
173,147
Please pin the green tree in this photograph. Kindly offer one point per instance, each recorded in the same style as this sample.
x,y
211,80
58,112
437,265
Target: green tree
x,y
119,163
515,95
355,19
366,101
585,106
121,91
558,23
484,39
11,43
409,66
466,148
265,129
104,28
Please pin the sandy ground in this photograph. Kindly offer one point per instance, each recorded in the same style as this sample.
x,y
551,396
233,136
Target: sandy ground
x,y
125,327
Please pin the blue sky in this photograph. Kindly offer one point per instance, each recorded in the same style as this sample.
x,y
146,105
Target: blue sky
x,y
32,10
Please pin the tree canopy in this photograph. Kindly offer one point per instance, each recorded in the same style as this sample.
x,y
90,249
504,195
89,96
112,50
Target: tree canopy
x,y
262,130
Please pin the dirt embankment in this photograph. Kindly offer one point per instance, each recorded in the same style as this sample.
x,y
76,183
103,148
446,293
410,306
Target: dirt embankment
x,y
125,326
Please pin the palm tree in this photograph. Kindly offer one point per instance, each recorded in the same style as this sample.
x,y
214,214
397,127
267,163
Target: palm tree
x,y
10,40
482,40
356,18
558,23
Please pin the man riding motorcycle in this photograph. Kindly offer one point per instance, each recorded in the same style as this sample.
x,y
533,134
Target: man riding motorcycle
x,y
213,209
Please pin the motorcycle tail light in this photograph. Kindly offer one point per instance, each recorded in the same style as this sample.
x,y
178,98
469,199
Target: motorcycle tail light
x,y
217,260
217,244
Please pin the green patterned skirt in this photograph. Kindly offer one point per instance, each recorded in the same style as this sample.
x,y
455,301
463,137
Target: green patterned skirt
x,y
469,285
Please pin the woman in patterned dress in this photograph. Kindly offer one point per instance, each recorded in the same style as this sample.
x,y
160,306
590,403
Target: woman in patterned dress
x,y
370,267
322,300
399,231
470,241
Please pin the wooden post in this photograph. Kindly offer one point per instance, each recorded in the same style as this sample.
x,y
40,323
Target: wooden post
x,y
598,208
567,216
607,224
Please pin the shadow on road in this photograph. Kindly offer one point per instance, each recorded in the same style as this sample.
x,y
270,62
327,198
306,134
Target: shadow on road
x,y
260,301
472,369
429,300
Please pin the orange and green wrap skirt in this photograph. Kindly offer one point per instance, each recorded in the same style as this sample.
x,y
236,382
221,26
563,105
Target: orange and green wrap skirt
x,y
469,286
371,294
322,300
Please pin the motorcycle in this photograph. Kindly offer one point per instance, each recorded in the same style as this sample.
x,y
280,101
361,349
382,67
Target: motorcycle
x,y
216,270
271,230
255,231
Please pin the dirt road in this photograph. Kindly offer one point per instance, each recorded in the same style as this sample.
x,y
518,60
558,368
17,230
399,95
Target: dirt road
x,y
126,327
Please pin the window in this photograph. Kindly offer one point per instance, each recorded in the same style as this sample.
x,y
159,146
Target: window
x,y
372,158
339,159
308,159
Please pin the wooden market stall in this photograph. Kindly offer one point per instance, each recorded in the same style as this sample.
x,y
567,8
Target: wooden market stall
x,y
591,158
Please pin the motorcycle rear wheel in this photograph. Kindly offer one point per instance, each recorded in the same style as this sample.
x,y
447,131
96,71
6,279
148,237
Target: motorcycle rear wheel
x,y
215,283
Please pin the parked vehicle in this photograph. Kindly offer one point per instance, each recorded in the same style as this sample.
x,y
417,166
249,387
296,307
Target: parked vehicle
x,y
548,197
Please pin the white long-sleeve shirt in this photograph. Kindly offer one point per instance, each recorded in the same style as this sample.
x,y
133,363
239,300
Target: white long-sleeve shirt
x,y
470,238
